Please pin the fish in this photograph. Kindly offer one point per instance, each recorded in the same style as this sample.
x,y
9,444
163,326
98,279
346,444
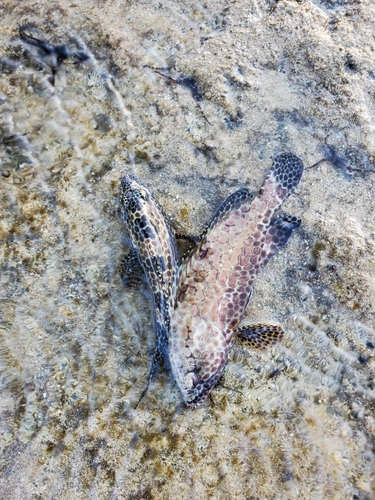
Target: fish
x,y
215,283
153,252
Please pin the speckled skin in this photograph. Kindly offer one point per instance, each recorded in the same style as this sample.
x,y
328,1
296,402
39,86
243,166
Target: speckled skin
x,y
215,284
155,247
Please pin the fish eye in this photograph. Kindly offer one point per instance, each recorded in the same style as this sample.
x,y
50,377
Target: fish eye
x,y
142,194
191,379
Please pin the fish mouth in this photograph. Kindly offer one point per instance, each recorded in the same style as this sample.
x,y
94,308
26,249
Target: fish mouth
x,y
197,398
197,402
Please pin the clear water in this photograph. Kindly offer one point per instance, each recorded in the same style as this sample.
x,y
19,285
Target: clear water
x,y
294,422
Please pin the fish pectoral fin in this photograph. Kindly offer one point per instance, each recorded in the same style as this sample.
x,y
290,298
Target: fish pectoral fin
x,y
260,335
131,270
186,244
278,235
285,227
234,201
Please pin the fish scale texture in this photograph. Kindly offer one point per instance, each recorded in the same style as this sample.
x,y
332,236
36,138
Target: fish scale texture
x,y
155,246
287,169
216,282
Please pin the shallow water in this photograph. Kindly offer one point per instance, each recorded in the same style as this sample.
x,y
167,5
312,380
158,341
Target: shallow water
x,y
294,422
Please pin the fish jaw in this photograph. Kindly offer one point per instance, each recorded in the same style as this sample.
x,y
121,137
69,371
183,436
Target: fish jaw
x,y
195,398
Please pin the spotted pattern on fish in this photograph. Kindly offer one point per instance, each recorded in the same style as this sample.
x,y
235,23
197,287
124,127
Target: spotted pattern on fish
x,y
215,284
155,248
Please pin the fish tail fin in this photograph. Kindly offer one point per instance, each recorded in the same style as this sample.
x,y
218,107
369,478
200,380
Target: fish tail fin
x,y
287,169
156,362
158,357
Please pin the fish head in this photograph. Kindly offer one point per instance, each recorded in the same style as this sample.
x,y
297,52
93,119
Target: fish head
x,y
140,211
147,225
134,198
198,360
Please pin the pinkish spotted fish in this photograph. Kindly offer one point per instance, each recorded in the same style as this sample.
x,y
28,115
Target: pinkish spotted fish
x,y
215,284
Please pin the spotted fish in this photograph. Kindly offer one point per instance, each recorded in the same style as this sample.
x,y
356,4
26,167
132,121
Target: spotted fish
x,y
155,253
215,284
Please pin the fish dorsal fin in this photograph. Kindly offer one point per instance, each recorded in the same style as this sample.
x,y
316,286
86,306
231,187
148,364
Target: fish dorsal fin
x,y
260,335
233,202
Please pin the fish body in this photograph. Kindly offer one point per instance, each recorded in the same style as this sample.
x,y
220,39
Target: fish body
x,y
155,252
215,284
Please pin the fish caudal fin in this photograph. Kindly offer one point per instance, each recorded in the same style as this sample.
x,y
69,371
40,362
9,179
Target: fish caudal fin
x,y
156,362
160,355
260,335
287,170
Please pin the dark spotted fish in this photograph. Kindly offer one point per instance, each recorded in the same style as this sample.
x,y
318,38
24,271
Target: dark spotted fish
x,y
155,252
215,284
